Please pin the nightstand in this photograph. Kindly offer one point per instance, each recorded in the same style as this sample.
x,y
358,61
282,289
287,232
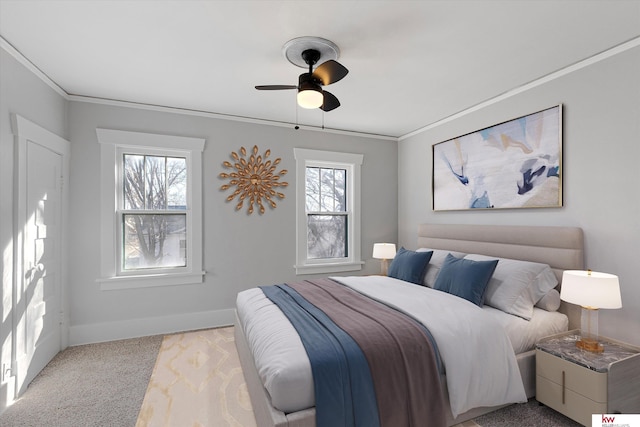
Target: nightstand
x,y
579,383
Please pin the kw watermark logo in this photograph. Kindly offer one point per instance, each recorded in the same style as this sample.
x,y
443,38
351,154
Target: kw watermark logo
x,y
615,420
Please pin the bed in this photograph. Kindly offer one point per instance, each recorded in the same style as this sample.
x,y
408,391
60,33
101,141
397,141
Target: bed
x,y
561,248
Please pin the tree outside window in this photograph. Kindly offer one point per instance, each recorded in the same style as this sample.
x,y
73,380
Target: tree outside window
x,y
154,211
327,219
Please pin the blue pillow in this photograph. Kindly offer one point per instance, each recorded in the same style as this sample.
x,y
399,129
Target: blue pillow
x,y
465,278
409,266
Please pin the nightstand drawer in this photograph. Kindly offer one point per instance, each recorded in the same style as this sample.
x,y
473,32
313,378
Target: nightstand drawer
x,y
575,406
578,383
584,381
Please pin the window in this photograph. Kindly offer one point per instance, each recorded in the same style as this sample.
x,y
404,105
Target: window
x,y
153,212
151,209
328,211
327,216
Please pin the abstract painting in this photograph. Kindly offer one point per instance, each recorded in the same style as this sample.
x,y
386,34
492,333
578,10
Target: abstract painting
x,y
515,164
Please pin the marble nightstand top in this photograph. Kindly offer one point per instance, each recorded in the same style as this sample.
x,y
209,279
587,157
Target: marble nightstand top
x,y
564,346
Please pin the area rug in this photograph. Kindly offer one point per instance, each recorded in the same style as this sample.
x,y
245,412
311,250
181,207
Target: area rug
x,y
197,382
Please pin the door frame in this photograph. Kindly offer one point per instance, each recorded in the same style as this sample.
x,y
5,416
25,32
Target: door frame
x,y
26,131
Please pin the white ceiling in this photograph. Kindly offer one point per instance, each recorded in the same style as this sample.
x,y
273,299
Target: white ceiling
x,y
411,63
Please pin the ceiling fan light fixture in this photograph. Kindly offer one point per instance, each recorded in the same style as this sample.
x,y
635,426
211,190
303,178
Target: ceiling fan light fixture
x,y
310,96
306,52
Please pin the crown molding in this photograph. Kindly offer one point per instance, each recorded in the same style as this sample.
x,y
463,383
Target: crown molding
x,y
199,113
18,56
623,47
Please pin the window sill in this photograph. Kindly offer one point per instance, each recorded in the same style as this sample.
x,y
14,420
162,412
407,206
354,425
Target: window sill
x,y
149,281
328,268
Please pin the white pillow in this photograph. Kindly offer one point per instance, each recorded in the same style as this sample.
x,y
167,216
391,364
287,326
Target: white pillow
x,y
435,264
516,286
550,301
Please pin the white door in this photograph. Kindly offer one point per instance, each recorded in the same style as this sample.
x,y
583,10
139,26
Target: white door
x,y
38,313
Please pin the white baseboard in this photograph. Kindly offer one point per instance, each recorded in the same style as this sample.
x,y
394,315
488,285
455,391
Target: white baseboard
x,y
111,331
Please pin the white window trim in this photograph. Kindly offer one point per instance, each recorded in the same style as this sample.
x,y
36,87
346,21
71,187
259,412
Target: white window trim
x,y
352,163
111,142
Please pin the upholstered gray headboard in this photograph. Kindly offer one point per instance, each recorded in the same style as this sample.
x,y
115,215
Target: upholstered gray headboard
x,y
560,247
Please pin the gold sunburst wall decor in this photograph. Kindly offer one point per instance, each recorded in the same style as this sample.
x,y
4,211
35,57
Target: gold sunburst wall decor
x,y
254,179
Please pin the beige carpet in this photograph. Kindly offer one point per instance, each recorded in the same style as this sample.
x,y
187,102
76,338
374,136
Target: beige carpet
x,y
197,382
93,385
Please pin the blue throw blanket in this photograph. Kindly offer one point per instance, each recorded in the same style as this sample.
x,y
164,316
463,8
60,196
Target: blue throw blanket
x,y
342,380
372,365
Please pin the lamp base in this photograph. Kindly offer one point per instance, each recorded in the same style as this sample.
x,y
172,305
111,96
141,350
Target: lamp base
x,y
384,267
590,345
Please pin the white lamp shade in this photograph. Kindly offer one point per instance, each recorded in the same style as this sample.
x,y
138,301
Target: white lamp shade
x,y
384,250
310,98
591,289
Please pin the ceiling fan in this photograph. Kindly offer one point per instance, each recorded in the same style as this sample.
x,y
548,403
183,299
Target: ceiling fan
x,y
310,93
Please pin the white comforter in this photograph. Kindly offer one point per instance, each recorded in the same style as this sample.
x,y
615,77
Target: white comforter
x,y
480,365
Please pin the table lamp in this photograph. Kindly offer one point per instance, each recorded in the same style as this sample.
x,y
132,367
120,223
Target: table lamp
x,y
591,291
385,252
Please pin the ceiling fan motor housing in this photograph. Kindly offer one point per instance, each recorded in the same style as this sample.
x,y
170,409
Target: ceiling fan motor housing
x,y
306,81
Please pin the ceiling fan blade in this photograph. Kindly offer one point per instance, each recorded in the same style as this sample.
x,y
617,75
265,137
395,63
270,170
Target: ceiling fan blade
x,y
276,87
330,72
330,102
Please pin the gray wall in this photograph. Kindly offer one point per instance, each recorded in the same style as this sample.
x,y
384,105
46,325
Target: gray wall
x,y
240,251
601,106
601,148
